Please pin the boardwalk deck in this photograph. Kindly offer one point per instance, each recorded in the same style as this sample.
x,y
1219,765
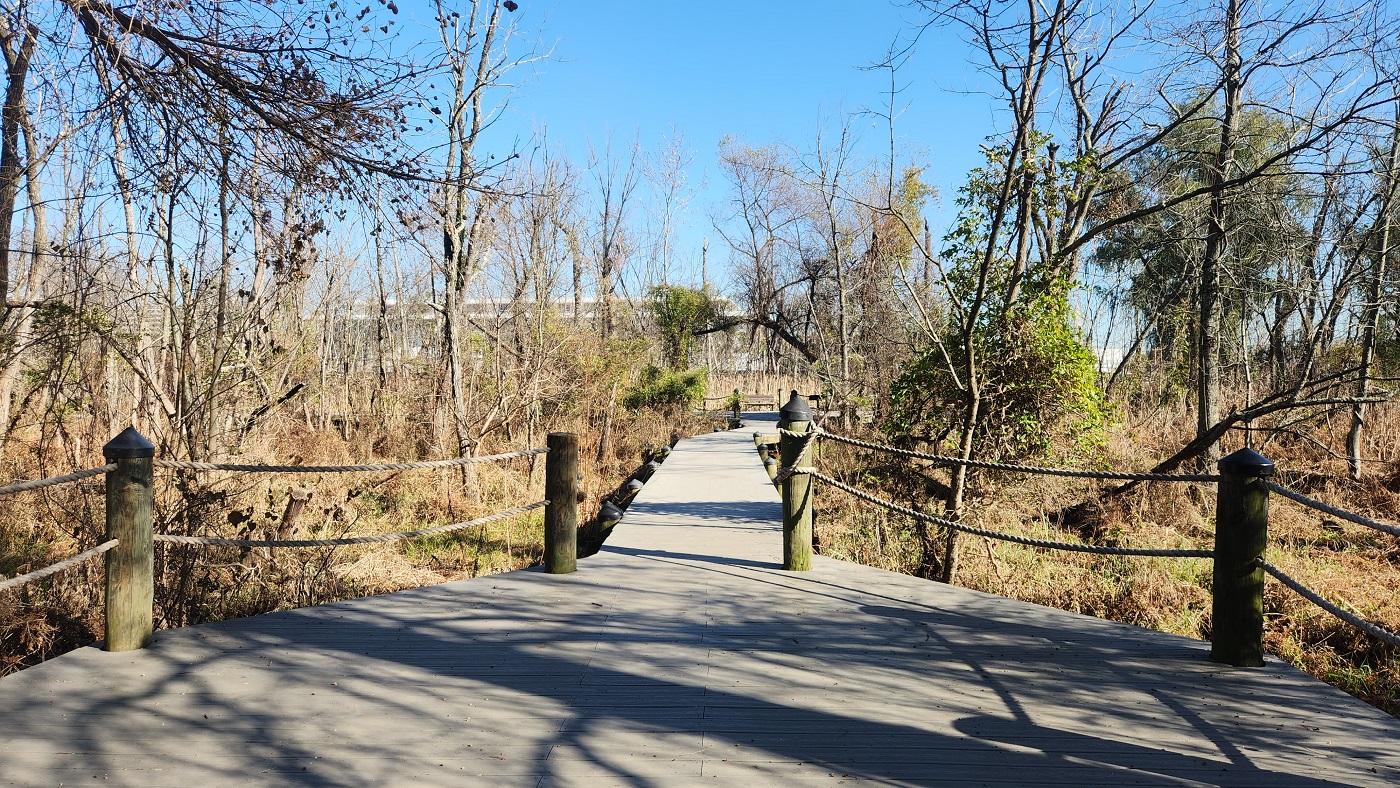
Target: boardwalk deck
x,y
680,656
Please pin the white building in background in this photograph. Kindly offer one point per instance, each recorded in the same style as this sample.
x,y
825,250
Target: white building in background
x,y
414,327
1109,358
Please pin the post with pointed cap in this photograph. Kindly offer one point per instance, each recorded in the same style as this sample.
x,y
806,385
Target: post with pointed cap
x,y
1241,534
131,564
561,516
797,489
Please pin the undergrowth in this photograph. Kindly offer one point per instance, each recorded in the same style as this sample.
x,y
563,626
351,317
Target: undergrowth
x,y
196,584
1349,564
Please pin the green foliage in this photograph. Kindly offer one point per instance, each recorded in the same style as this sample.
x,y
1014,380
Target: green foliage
x,y
911,196
1037,382
1040,385
734,401
679,313
1161,253
660,388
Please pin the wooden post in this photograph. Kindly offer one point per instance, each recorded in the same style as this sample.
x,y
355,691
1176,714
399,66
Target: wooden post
x,y
561,516
797,490
131,564
1241,534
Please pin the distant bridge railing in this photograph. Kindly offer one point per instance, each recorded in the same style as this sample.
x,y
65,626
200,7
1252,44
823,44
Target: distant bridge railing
x,y
130,540
1241,531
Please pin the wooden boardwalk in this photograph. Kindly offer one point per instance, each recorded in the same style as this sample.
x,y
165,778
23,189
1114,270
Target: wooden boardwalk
x,y
681,655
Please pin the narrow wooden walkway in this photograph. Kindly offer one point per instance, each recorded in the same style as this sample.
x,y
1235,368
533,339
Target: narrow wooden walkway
x,y
681,655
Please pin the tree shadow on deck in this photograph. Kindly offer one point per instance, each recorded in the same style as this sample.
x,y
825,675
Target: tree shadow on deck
x,y
565,684
695,557
764,514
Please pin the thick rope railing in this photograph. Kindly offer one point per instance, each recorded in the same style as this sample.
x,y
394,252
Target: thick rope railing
x,y
383,466
1378,632
788,471
1341,514
1002,466
1005,537
348,540
1312,596
64,479
39,574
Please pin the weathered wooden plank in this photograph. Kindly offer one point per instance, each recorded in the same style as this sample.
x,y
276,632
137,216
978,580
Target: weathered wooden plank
x,y
682,654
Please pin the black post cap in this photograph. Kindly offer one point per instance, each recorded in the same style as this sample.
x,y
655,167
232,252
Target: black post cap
x,y
129,444
1246,462
635,484
796,409
609,512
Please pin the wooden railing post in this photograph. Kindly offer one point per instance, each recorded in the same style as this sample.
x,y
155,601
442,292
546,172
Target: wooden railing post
x,y
561,516
1241,534
131,564
797,489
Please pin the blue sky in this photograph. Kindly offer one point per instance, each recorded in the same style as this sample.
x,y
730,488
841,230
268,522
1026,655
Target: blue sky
x,y
763,71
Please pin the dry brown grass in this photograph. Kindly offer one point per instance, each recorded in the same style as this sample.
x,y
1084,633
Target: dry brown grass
x,y
1347,563
722,383
197,584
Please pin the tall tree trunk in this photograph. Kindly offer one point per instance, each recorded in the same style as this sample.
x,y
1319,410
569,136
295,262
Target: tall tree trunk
x,y
605,296
16,71
381,320
14,118
1370,321
140,302
462,243
1208,299
958,482
576,256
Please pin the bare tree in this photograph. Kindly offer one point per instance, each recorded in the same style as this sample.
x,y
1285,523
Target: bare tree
x,y
475,49
665,173
1388,172
615,179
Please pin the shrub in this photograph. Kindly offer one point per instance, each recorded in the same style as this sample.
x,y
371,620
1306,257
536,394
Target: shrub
x,y
660,388
1039,387
679,313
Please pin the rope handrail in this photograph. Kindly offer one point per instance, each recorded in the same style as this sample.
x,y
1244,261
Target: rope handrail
x,y
386,466
788,471
1005,537
39,574
53,480
1002,466
1343,514
1375,631
349,540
